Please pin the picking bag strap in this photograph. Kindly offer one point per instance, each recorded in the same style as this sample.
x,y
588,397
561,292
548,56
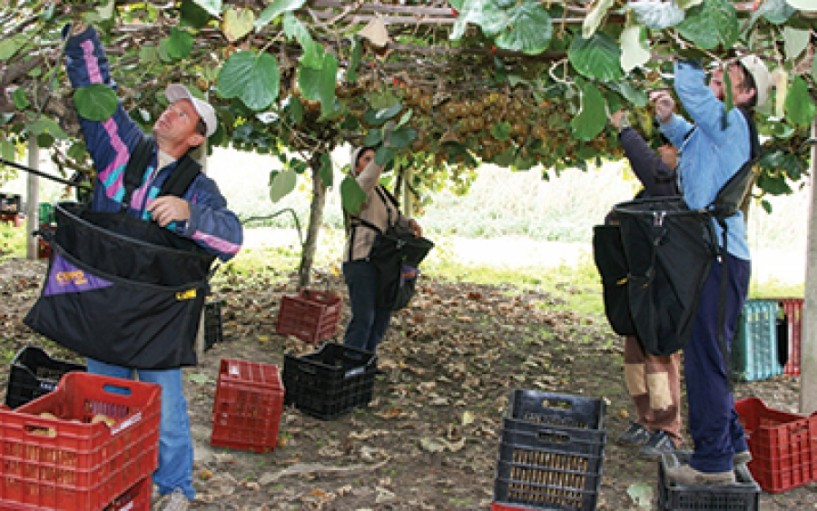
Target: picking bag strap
x,y
137,164
179,181
732,194
726,204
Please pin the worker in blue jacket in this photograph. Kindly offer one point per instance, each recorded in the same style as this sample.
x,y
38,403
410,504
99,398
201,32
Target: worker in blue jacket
x,y
713,148
200,215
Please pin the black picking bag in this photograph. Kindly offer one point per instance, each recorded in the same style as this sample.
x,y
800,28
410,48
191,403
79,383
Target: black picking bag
x,y
397,255
120,290
608,253
653,273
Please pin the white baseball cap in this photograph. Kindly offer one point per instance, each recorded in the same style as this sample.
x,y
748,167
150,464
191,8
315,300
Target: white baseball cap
x,y
760,74
177,91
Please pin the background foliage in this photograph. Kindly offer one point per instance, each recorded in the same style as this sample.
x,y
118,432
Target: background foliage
x,y
437,87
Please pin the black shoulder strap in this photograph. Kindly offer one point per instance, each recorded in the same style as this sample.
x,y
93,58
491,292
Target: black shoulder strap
x,y
177,184
732,194
384,193
754,140
137,164
179,181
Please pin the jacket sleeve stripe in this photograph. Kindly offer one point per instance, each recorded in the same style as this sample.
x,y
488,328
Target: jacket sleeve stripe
x,y
91,62
113,175
218,244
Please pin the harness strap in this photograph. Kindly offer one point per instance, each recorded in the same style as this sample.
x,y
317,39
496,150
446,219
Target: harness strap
x,y
182,177
187,169
137,164
754,154
356,221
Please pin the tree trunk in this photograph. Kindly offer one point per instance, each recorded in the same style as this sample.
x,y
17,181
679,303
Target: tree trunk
x,y
315,221
808,339
408,199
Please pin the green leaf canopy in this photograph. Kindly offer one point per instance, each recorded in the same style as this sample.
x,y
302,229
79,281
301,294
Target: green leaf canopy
x,y
711,24
592,117
523,26
597,58
251,77
95,102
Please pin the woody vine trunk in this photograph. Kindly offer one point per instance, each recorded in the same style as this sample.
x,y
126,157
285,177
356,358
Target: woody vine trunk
x,y
315,219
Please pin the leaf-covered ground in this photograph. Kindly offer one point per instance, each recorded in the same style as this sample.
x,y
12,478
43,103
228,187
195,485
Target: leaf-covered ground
x,y
429,438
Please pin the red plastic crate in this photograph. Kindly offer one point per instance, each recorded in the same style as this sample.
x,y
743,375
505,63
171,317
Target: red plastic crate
x,y
137,498
247,407
310,315
783,445
793,309
43,247
67,463
501,506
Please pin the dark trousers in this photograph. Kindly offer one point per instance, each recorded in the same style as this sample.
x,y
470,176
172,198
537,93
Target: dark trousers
x,y
713,422
368,324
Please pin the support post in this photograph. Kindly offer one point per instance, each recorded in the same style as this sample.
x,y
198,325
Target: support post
x,y
808,339
32,199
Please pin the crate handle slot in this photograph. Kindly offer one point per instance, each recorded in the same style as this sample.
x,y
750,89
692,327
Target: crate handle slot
x,y
557,403
113,388
357,371
308,369
553,436
40,431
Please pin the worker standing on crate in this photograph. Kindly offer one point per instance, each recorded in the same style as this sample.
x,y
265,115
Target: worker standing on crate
x,y
714,149
368,324
201,214
653,381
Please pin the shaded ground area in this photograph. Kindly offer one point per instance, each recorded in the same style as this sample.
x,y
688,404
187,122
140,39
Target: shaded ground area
x,y
429,438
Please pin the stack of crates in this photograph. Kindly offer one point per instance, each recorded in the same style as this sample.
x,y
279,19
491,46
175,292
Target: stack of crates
x,y
792,309
45,211
743,495
754,349
10,208
213,331
551,452
247,407
330,381
34,373
90,444
783,445
310,315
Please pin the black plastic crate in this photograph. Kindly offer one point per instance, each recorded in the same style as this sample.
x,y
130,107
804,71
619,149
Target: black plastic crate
x,y
213,330
556,409
549,467
330,381
33,373
744,495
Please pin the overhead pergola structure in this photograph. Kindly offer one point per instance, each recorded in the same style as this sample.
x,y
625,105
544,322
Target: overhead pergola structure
x,y
474,95
467,81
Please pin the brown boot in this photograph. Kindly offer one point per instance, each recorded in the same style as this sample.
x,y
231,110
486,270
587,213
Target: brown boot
x,y
686,475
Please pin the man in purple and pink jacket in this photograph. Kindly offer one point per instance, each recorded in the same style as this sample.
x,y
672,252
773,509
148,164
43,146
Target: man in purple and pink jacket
x,y
200,215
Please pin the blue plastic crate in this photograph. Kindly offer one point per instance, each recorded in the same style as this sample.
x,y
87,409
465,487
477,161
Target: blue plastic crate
x,y
754,349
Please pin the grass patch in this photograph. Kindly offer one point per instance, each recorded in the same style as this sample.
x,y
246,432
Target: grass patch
x,y
776,289
12,241
576,289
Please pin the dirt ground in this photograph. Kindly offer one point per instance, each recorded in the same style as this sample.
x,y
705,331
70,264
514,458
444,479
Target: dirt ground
x,y
429,438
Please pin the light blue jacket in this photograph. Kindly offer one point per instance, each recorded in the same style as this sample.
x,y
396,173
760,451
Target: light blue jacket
x,y
711,150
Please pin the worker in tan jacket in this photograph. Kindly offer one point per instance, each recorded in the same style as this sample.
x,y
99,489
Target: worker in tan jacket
x,y
369,322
